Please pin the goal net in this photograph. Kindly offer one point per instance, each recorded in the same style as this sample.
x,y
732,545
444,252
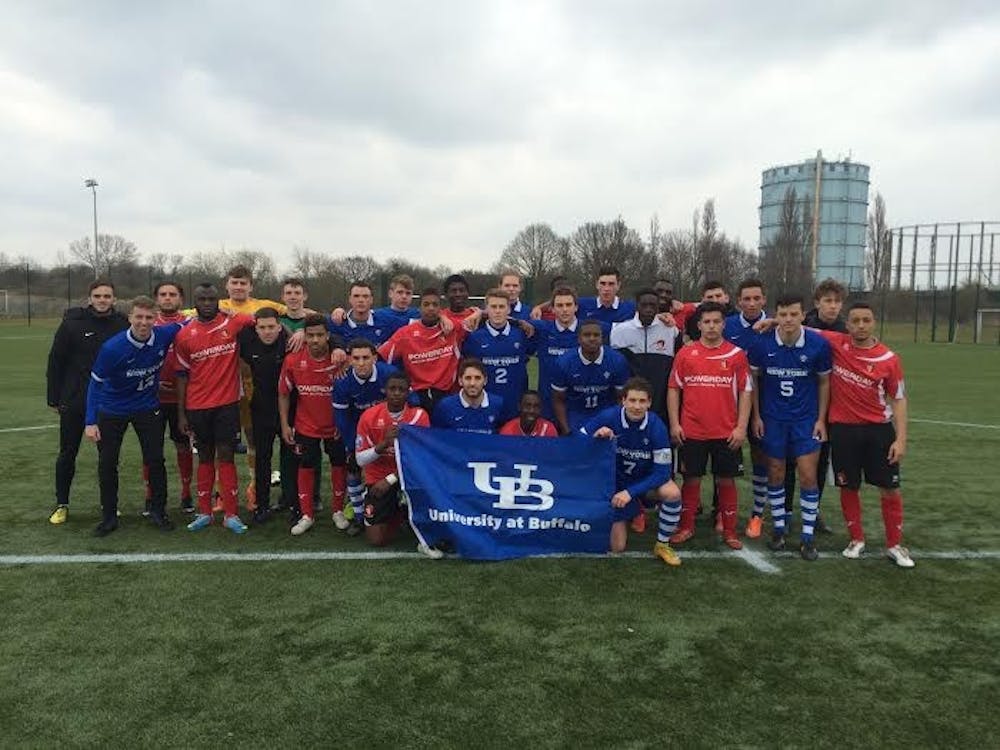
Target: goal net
x,y
988,324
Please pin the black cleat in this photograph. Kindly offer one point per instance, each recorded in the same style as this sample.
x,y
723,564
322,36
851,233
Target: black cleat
x,y
808,551
145,509
356,528
776,543
261,516
163,523
103,528
822,526
187,505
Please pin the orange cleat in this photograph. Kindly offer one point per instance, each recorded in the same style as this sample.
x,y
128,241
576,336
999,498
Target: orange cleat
x,y
754,527
733,542
252,497
681,535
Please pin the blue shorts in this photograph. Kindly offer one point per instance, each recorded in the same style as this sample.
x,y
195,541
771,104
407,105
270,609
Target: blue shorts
x,y
628,512
783,440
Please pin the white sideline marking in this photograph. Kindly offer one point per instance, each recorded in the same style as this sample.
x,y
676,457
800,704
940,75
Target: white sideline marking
x,y
958,424
25,429
755,559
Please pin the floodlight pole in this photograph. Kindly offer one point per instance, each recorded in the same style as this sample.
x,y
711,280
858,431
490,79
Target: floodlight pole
x,y
92,184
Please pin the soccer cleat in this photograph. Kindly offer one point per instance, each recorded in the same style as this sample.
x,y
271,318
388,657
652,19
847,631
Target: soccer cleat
x,y
200,522
275,478
163,523
666,553
103,529
431,552
754,527
59,514
261,516
145,508
187,504
733,542
340,520
718,523
776,543
822,526
302,526
252,497
217,503
681,535
240,448
854,549
808,551
901,556
638,524
356,527
235,524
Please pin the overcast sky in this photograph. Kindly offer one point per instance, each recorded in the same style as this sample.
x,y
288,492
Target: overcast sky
x,y
437,130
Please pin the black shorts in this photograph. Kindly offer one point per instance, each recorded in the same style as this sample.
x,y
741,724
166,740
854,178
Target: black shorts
x,y
383,509
857,448
215,426
726,463
308,450
169,412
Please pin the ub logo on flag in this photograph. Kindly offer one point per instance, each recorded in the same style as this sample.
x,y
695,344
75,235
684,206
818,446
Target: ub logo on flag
x,y
509,488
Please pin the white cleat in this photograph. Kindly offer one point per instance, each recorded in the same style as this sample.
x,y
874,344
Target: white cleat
x,y
853,550
275,478
340,520
901,556
302,526
433,554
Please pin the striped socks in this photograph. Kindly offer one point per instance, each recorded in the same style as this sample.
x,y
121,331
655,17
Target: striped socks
x,y
809,505
759,489
776,498
668,517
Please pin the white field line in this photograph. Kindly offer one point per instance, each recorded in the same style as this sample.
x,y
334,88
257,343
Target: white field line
x,y
27,429
957,424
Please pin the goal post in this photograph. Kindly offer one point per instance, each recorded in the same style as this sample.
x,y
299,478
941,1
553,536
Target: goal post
x,y
989,316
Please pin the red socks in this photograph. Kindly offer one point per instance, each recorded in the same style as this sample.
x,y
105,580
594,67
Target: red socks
x,y
307,484
850,503
185,465
145,482
338,481
206,484
690,498
230,488
892,517
727,506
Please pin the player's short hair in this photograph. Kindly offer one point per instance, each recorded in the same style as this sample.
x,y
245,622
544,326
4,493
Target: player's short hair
x,y
646,291
455,278
609,271
750,284
709,307
475,364
557,281
829,286
355,284
239,272
496,293
587,324
398,375
293,281
712,284
664,279
529,392
266,312
313,319
174,284
402,279
360,343
636,383
142,302
565,291
430,291
861,305
787,300
100,282
508,272
206,285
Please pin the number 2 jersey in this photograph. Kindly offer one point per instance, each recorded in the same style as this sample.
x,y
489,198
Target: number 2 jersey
x,y
207,353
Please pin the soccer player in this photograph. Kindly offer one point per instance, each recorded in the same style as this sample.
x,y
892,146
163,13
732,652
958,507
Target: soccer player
x,y
426,353
169,297
208,395
606,307
294,296
400,304
739,330
310,375
792,393
124,390
664,289
686,313
504,349
867,397
510,283
543,310
361,321
648,345
472,409
362,387
553,339
456,292
642,466
80,335
714,376
378,429
587,380
262,348
529,421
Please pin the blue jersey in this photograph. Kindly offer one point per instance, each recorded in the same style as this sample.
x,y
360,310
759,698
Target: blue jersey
x,y
505,354
619,311
125,378
521,311
589,386
377,329
551,342
352,396
642,449
455,413
402,317
740,331
789,375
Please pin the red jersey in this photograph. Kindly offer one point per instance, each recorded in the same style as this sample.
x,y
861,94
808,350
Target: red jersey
x,y
372,427
681,316
168,373
426,354
312,379
542,428
711,380
862,381
207,352
457,317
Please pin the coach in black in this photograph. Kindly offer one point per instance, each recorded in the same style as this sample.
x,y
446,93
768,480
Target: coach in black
x,y
74,348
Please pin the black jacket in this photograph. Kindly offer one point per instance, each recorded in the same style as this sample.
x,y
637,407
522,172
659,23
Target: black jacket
x,y
813,320
74,349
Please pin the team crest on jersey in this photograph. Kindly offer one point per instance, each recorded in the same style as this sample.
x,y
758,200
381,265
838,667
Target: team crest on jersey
x,y
870,368
694,352
724,363
660,344
517,344
303,364
803,358
607,374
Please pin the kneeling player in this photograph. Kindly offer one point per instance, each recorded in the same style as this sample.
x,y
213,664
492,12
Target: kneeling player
x,y
529,421
642,466
375,451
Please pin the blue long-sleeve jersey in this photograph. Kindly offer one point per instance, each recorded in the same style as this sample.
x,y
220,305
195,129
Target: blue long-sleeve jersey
x,y
642,449
351,396
505,355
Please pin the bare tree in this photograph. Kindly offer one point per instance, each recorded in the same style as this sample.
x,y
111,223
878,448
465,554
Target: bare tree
x,y
784,261
535,252
357,268
597,244
112,251
679,263
878,259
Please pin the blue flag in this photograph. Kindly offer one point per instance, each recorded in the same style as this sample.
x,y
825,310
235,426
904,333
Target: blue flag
x,y
496,497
